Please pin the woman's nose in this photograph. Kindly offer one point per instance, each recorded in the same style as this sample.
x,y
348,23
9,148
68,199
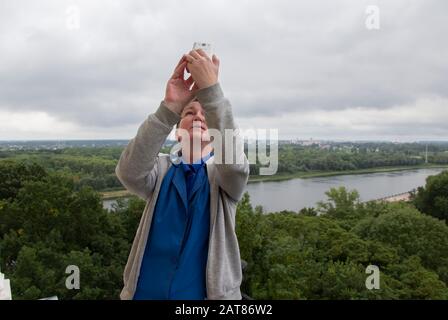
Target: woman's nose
x,y
199,117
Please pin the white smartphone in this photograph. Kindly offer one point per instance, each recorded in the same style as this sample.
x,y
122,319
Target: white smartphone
x,y
207,47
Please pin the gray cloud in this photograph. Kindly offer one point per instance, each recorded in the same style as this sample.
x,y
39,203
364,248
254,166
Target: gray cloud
x,y
279,58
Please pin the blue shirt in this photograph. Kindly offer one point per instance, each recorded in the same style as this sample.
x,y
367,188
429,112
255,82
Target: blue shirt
x,y
175,258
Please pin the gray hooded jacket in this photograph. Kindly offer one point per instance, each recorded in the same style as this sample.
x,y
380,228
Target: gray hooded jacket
x,y
141,170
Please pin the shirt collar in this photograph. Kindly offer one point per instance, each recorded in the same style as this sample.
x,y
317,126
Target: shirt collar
x,y
197,164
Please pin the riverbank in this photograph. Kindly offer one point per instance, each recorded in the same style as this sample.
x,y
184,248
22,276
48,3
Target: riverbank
x,y
114,194
319,174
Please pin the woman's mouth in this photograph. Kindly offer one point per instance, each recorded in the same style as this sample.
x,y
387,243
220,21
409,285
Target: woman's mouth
x,y
199,125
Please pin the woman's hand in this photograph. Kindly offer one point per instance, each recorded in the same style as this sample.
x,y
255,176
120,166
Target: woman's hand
x,y
203,69
179,92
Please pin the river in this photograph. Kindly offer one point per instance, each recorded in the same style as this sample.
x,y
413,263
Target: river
x,y
297,193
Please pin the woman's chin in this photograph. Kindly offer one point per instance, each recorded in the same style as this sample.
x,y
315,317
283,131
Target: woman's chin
x,y
197,133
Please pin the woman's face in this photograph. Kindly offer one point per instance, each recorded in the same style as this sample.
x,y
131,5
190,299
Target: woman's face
x,y
193,122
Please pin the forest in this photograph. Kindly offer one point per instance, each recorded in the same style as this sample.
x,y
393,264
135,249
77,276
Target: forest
x,y
95,167
48,221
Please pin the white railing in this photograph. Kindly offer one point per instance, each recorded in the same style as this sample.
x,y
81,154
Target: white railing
x,y
5,288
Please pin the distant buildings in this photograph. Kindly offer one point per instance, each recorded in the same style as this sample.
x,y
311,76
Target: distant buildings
x,y
59,144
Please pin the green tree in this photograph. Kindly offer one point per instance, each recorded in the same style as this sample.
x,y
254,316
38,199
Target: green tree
x,y
13,175
49,225
432,199
341,203
412,234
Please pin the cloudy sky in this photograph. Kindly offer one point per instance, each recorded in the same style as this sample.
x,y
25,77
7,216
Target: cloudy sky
x,y
311,69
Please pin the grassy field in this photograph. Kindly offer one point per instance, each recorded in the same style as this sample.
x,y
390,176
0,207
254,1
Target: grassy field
x,y
303,175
